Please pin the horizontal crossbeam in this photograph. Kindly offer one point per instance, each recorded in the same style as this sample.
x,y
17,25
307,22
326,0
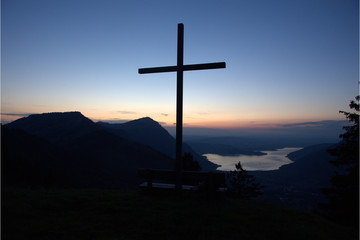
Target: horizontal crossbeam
x,y
192,67
158,69
204,66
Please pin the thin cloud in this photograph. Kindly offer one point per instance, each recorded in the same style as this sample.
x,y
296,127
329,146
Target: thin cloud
x,y
126,112
17,114
313,124
164,114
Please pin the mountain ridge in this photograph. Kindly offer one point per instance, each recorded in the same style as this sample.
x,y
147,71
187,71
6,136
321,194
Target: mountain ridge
x,y
59,128
149,132
100,158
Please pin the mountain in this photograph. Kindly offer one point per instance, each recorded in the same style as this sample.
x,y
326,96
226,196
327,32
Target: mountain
x,y
71,145
204,146
28,159
149,132
145,131
299,183
59,128
242,145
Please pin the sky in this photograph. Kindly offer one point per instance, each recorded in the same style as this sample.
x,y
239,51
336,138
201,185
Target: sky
x,y
287,62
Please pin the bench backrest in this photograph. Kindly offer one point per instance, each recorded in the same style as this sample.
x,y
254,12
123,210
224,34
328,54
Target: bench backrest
x,y
188,177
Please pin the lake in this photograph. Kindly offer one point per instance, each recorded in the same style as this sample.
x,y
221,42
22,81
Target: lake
x,y
271,161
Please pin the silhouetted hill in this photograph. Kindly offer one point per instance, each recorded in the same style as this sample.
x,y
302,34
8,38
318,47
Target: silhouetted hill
x,y
149,132
58,128
145,131
311,167
299,183
30,160
312,162
94,156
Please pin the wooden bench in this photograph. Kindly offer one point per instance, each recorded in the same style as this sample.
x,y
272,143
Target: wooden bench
x,y
191,180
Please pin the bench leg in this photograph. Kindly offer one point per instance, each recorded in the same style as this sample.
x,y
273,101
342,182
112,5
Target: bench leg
x,y
149,184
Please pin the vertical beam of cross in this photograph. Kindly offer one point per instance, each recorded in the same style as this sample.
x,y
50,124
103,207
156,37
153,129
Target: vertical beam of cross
x,y
179,105
179,69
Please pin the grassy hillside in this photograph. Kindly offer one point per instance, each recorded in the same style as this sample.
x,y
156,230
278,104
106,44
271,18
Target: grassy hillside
x,y
110,214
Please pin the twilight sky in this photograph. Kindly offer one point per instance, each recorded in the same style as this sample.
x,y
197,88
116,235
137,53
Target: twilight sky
x,y
287,61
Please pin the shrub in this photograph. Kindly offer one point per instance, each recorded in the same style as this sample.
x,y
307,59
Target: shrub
x,y
242,184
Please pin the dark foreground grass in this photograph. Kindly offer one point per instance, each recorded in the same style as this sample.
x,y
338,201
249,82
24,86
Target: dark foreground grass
x,y
110,214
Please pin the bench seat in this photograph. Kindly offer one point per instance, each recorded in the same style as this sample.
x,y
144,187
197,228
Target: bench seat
x,y
191,180
167,186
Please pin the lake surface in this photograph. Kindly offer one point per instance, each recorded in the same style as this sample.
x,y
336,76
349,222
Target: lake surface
x,y
271,161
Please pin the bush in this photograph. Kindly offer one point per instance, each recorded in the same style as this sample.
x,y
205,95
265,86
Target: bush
x,y
242,184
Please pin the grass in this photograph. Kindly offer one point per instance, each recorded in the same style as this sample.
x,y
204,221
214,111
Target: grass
x,y
111,214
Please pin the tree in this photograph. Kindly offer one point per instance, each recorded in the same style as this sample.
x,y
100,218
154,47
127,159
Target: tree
x,y
343,196
243,185
189,164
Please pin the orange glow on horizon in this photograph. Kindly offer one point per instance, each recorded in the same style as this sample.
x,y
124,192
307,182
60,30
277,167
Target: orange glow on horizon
x,y
190,121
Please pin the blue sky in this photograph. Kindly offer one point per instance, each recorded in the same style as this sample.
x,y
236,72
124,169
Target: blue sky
x,y
287,61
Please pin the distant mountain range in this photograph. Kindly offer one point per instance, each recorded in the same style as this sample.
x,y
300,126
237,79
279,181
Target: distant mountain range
x,y
68,149
246,145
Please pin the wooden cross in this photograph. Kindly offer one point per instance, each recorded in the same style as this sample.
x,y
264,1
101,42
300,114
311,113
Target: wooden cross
x,y
180,68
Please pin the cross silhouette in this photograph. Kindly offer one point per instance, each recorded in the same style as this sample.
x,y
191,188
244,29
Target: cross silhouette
x,y
180,68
